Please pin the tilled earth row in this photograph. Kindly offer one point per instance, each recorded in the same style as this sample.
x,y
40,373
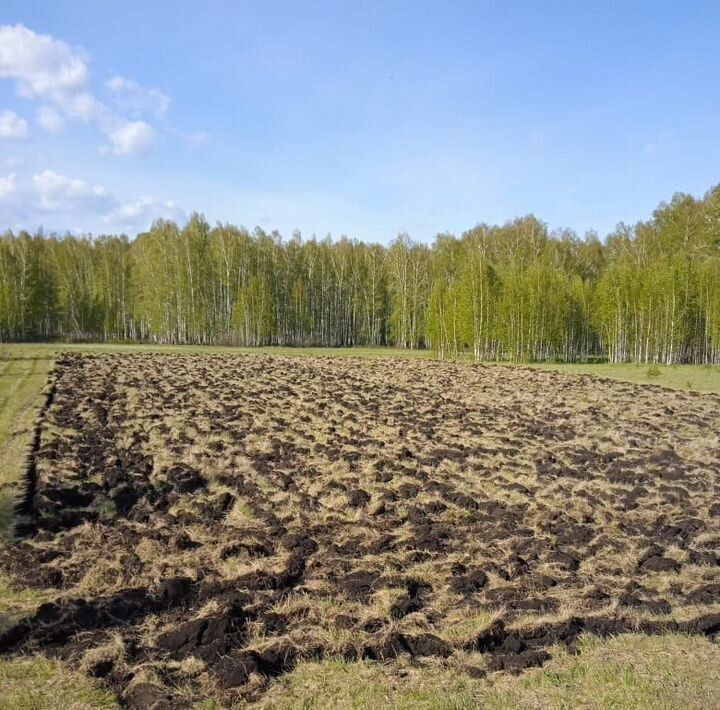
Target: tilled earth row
x,y
210,521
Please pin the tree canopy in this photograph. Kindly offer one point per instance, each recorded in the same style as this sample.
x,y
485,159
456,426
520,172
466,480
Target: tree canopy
x,y
648,293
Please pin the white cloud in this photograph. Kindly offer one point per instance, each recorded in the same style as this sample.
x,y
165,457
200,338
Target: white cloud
x,y
50,119
8,186
58,192
84,107
136,99
44,68
12,126
132,138
143,211
60,202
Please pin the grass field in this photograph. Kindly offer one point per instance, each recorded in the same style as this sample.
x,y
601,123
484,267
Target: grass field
x,y
631,671
695,378
23,372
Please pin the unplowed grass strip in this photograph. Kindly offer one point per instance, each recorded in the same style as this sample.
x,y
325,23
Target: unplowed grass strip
x,y
22,376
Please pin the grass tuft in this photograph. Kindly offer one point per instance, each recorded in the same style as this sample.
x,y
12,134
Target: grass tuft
x,y
37,683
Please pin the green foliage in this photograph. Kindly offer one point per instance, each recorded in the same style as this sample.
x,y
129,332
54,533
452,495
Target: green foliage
x,y
649,294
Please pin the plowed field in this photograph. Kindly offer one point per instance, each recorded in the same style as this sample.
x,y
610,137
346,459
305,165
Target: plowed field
x,y
208,521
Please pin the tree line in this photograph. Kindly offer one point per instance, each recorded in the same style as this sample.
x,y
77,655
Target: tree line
x,y
647,293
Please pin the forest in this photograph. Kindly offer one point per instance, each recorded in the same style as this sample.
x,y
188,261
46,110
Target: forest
x,y
646,293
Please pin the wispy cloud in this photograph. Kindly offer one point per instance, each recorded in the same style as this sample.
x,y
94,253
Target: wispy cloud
x,y
48,70
138,100
50,119
132,138
12,126
50,197
59,193
8,187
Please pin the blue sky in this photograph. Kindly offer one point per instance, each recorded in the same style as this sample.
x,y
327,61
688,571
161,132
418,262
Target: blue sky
x,y
357,118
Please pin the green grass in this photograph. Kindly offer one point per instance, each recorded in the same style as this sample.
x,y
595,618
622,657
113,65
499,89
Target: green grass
x,y
52,349
623,673
699,378
23,372
15,603
29,683
35,683
629,672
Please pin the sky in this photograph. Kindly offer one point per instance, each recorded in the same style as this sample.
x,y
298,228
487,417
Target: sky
x,y
358,118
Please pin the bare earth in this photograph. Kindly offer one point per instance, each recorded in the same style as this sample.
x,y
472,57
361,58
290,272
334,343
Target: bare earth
x,y
209,521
